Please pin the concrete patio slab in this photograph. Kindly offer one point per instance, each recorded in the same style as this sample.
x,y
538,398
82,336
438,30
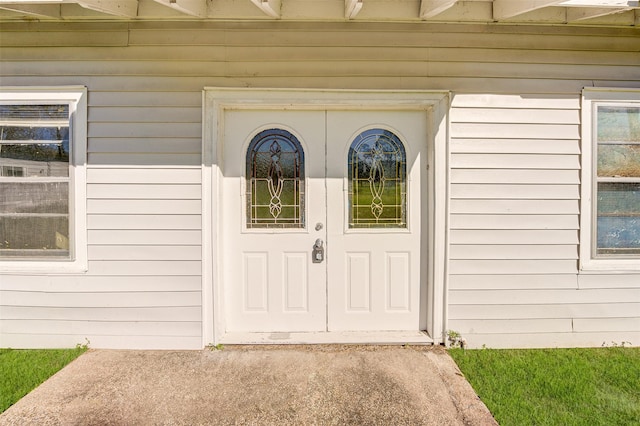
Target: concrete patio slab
x,y
256,385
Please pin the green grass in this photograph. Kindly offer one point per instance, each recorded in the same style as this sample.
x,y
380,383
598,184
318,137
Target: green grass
x,y
21,371
597,386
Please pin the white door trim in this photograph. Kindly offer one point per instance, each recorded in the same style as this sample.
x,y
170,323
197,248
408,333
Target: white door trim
x,y
436,103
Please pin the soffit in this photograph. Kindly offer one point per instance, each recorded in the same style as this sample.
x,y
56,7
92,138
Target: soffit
x,y
611,13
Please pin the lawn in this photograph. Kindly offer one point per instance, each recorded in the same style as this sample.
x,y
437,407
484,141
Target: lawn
x,y
23,370
597,386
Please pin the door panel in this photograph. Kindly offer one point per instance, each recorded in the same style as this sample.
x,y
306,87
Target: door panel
x,y
270,283
374,272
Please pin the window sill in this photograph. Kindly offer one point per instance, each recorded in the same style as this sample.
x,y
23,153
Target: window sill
x,y
29,267
610,266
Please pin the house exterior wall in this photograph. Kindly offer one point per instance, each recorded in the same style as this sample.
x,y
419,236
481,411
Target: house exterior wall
x,y
514,168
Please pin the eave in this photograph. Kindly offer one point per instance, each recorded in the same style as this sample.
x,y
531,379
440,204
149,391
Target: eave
x,y
612,13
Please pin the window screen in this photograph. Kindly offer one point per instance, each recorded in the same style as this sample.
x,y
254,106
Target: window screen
x,y
34,181
618,180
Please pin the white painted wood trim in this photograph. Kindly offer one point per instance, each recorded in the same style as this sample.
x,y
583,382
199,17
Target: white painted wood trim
x,y
197,8
540,11
505,9
209,232
331,337
47,10
588,263
124,8
438,252
431,8
217,100
352,8
269,7
76,96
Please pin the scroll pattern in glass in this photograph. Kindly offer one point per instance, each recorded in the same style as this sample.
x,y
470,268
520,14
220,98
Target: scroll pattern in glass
x,y
275,181
618,180
377,181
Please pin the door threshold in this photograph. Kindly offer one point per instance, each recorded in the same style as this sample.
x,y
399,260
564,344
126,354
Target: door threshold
x,y
328,337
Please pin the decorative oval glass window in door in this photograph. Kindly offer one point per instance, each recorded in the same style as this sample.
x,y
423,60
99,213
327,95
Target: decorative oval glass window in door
x,y
275,181
377,181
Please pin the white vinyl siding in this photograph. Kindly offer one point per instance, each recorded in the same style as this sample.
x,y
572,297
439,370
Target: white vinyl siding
x,y
514,195
513,174
514,239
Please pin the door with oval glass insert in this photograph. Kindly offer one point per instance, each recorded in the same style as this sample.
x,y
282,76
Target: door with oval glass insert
x,y
349,180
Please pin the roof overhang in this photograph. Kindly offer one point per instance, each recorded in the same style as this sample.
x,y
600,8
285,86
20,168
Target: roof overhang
x,y
587,12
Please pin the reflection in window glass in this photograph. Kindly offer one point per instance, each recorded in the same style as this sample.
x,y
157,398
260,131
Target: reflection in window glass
x,y
377,181
618,218
618,180
275,181
618,124
34,181
619,160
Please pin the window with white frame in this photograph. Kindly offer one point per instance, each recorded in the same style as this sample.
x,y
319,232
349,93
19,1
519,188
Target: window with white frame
x,y
42,179
611,180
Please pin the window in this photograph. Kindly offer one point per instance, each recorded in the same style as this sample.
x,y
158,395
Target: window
x,y
611,124
377,181
42,169
12,170
275,181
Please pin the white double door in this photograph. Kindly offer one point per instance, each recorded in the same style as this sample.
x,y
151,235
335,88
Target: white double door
x,y
370,278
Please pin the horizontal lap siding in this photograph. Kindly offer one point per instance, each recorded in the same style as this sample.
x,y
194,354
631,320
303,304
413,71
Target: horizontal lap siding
x,y
514,162
515,193
145,220
466,58
514,214
143,285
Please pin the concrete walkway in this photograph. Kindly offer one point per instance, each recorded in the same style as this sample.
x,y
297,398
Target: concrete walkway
x,y
256,385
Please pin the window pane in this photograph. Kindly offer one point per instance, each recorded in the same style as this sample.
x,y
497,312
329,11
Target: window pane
x,y
35,160
34,197
618,160
618,227
377,181
29,133
275,181
34,140
618,124
34,114
34,236
34,219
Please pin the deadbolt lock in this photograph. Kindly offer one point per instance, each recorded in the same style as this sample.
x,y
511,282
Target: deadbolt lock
x,y
318,251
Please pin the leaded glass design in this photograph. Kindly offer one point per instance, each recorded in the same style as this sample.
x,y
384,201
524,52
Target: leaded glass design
x,y
275,181
618,180
377,181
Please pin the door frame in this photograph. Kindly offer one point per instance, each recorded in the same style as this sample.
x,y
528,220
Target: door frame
x,y
435,104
